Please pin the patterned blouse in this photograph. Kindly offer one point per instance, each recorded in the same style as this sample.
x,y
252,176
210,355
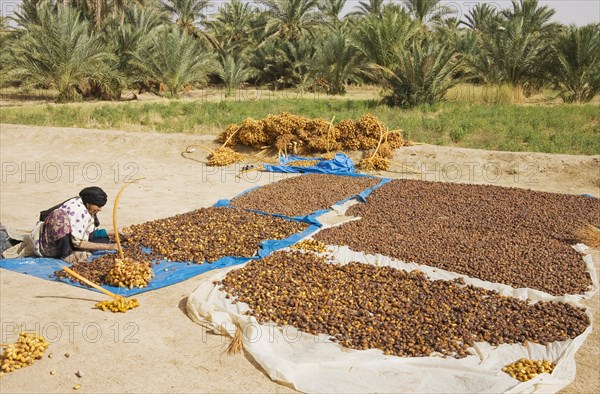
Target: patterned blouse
x,y
72,217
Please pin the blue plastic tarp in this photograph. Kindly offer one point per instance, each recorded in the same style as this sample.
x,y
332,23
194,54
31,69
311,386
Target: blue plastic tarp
x,y
340,164
362,196
312,218
166,273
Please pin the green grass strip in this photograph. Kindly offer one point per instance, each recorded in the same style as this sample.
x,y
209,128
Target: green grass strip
x,y
569,129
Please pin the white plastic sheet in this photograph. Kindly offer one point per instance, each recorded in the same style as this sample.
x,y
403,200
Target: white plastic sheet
x,y
315,364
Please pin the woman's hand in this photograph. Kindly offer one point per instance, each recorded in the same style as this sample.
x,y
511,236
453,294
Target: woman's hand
x,y
124,233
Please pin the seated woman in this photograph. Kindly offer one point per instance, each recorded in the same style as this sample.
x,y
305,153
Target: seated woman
x,y
64,230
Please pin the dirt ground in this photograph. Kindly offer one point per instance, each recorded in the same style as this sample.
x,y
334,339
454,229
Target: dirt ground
x,y
17,97
156,347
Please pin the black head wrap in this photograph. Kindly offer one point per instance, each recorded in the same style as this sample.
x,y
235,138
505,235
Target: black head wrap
x,y
93,195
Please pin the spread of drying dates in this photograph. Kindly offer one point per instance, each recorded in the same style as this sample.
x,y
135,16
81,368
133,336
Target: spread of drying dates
x,y
404,314
95,270
504,235
207,234
303,195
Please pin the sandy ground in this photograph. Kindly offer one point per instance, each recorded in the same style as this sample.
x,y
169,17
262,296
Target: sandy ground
x,y
156,347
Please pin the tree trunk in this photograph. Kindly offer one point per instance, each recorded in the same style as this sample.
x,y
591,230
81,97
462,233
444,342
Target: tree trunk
x,y
518,96
98,15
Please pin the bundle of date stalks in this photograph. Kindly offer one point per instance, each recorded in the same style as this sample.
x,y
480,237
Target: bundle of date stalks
x,y
309,135
289,133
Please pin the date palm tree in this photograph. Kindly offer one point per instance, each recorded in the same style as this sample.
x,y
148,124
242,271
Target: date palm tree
x,y
449,30
99,12
414,65
578,63
332,9
284,64
127,39
535,18
339,61
520,56
28,14
236,26
299,61
186,13
6,34
424,72
60,52
425,11
482,18
236,29
174,59
289,19
233,71
514,47
4,27
369,8
382,37
484,22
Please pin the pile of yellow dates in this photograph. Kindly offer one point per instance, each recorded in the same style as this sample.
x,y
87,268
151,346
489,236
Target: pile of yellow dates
x,y
525,369
29,347
118,304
